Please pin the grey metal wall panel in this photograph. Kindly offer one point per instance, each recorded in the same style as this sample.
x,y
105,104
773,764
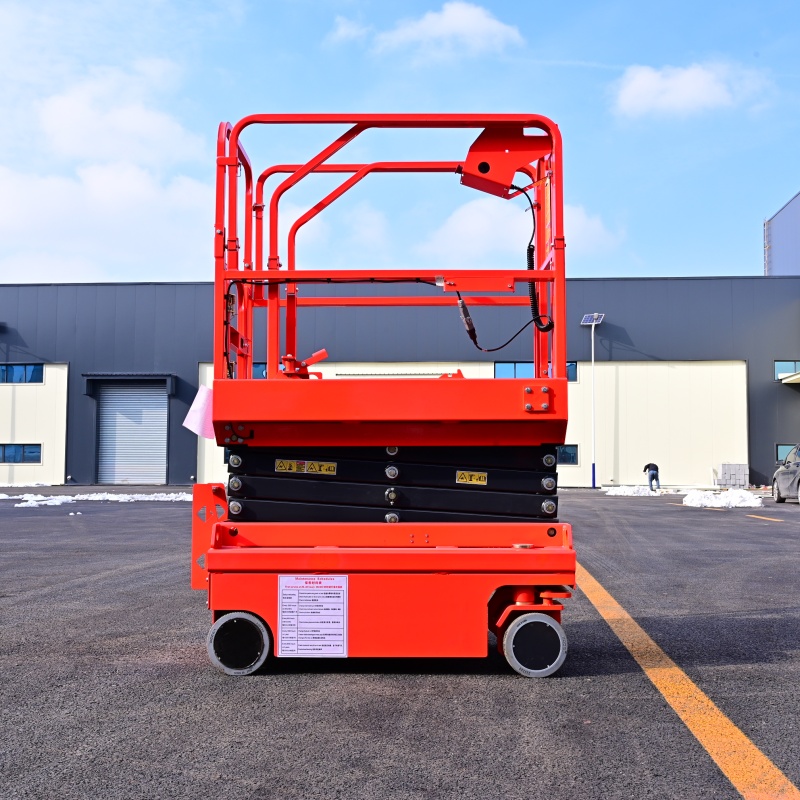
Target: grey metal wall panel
x,y
134,328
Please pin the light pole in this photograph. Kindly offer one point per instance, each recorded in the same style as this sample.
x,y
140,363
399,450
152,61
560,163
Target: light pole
x,y
593,320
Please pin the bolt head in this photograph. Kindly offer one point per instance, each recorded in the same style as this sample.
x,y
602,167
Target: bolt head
x,y
392,472
528,407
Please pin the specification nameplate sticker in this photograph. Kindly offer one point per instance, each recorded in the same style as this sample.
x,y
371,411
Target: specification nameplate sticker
x,y
310,467
312,616
472,478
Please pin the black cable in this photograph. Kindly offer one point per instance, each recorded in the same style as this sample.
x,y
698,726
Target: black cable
x,y
536,317
530,254
471,332
283,280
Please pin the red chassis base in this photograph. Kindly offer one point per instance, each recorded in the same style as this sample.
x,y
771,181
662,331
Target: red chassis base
x,y
401,590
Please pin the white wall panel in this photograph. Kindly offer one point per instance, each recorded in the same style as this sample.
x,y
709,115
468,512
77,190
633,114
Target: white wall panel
x,y
36,413
688,417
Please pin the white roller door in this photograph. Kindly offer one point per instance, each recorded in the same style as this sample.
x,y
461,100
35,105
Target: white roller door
x,y
132,433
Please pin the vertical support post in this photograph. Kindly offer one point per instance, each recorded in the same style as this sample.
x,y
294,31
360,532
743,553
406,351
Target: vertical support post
x,y
594,433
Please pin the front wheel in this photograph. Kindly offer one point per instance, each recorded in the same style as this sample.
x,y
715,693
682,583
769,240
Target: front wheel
x,y
535,645
776,495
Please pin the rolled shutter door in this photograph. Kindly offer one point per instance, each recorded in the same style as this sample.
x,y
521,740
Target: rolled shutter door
x,y
132,433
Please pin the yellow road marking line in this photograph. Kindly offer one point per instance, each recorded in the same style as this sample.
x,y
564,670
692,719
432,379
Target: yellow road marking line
x,y
771,519
752,774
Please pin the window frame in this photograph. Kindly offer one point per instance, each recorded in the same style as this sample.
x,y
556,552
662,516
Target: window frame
x,y
515,365
775,363
575,379
22,460
28,370
575,463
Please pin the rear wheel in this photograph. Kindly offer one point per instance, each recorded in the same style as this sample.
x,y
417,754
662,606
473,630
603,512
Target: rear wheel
x,y
776,494
535,645
238,643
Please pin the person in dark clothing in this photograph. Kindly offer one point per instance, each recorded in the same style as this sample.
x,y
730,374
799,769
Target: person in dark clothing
x,y
652,475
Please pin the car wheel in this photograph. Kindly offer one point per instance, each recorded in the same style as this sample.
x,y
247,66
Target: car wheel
x,y
776,495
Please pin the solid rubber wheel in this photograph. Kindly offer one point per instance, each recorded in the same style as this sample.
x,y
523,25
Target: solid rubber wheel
x,y
776,494
535,645
238,643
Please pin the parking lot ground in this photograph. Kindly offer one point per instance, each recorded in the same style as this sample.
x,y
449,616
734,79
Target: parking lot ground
x,y
107,690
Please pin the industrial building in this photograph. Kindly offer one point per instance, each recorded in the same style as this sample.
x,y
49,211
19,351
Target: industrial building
x,y
782,240
691,373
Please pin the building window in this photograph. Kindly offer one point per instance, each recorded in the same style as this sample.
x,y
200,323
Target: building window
x,y
524,369
784,368
568,454
20,454
781,451
260,369
21,373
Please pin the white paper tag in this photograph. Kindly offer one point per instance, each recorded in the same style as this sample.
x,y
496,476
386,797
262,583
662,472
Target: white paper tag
x,y
312,616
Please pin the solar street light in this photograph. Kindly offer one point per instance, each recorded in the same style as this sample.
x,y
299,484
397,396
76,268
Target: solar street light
x,y
593,320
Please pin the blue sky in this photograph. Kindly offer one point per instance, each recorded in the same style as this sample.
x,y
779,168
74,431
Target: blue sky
x,y
681,125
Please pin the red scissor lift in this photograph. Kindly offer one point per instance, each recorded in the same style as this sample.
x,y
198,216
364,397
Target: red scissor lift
x,y
396,517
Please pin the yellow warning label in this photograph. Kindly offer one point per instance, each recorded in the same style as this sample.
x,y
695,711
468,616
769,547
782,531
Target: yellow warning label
x,y
322,467
314,467
472,478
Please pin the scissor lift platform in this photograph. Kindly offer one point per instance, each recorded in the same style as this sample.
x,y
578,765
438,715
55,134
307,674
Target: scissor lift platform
x,y
384,517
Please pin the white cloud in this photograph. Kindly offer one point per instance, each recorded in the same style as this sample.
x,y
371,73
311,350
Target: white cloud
x,y
460,28
488,232
479,233
369,228
586,234
108,117
346,30
109,206
311,237
108,222
685,90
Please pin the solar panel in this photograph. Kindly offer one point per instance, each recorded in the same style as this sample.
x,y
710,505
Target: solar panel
x,y
595,318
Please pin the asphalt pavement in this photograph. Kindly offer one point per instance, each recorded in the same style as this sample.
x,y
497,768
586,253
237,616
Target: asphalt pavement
x,y
107,691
